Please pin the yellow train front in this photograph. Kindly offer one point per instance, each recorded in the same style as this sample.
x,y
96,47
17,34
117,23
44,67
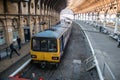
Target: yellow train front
x,y
47,46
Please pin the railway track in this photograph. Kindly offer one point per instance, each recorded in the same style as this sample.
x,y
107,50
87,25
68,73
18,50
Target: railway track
x,y
76,50
33,71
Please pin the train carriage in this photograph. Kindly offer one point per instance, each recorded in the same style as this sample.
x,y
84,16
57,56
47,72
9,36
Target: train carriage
x,y
48,46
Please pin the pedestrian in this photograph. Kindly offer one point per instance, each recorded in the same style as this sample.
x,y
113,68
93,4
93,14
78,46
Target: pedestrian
x,y
118,41
19,42
13,50
100,29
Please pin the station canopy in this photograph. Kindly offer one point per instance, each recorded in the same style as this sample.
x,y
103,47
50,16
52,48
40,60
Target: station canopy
x,y
82,6
77,6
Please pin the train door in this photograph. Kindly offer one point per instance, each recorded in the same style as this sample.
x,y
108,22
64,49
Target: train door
x,y
27,34
61,45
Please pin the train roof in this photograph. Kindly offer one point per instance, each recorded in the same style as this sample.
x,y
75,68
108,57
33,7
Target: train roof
x,y
47,34
54,32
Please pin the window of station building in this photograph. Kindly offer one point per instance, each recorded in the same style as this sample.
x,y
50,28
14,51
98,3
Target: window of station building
x,y
32,6
110,7
114,7
24,4
2,34
15,34
38,6
25,22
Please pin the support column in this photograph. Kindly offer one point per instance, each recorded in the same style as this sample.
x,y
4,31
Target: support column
x,y
53,17
42,17
88,17
8,41
82,17
9,31
48,14
30,25
21,30
75,16
97,18
116,23
78,16
92,20
105,14
37,24
50,17
45,17
85,17
104,24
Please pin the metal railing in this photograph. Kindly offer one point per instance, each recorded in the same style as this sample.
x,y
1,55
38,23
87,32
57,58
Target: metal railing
x,y
106,71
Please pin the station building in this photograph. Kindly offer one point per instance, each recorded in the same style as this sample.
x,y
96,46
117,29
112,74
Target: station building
x,y
23,19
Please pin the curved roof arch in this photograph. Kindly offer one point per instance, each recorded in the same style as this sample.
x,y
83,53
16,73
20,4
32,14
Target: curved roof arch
x,y
78,6
66,11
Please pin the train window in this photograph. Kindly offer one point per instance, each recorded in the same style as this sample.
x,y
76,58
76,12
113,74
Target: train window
x,y
52,45
45,45
36,45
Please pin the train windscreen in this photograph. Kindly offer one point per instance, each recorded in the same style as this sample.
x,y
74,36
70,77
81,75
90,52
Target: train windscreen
x,y
44,44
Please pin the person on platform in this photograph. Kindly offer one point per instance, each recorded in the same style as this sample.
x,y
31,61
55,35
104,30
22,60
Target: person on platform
x,y
13,50
19,42
118,41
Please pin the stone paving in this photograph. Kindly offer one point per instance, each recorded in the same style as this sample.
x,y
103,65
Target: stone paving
x,y
106,51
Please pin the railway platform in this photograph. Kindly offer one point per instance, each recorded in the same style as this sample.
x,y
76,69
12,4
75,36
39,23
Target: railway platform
x,y
73,64
105,51
7,62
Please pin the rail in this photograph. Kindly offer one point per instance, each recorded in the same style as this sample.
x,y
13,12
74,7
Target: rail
x,y
20,68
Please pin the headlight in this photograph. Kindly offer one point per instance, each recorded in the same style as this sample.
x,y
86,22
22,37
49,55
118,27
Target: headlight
x,y
33,56
55,58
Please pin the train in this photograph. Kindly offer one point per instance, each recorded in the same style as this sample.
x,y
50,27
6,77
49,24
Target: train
x,y
47,47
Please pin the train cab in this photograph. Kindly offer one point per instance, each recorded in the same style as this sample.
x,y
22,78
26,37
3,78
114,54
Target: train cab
x,y
48,46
